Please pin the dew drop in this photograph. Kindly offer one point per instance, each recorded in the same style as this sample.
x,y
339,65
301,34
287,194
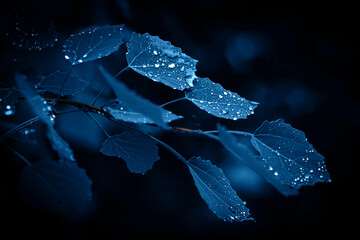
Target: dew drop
x,y
67,57
172,65
157,65
155,52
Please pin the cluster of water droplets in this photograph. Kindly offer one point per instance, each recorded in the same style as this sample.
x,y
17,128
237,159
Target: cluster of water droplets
x,y
218,101
288,156
26,35
161,61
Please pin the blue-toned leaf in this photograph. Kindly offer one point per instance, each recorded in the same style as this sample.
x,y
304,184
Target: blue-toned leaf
x,y
252,160
59,145
31,31
42,109
121,112
288,155
53,83
214,99
93,43
216,191
38,105
138,150
160,61
134,101
8,99
61,188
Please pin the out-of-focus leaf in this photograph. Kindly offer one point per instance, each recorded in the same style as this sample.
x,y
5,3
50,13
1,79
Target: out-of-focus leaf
x,y
54,81
42,109
61,188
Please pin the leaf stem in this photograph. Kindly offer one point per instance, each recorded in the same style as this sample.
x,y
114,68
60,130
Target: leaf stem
x,y
99,94
63,83
121,71
246,134
18,154
173,101
18,128
97,123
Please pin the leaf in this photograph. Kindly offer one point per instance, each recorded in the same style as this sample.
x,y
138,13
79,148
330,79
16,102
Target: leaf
x,y
248,157
61,188
93,43
59,145
160,61
288,155
53,82
138,150
121,112
31,31
8,99
134,101
216,191
217,101
38,105
42,109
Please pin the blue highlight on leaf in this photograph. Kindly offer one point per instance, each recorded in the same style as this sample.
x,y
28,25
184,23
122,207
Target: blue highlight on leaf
x,y
121,112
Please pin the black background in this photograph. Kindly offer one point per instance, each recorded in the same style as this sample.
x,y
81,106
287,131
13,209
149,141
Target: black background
x,y
308,45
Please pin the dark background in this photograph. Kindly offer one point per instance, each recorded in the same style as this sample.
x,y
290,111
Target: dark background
x,y
299,60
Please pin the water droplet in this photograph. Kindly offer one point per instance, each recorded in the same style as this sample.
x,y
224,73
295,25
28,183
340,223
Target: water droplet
x,y
157,65
67,57
172,65
276,173
155,52
225,111
220,96
80,60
